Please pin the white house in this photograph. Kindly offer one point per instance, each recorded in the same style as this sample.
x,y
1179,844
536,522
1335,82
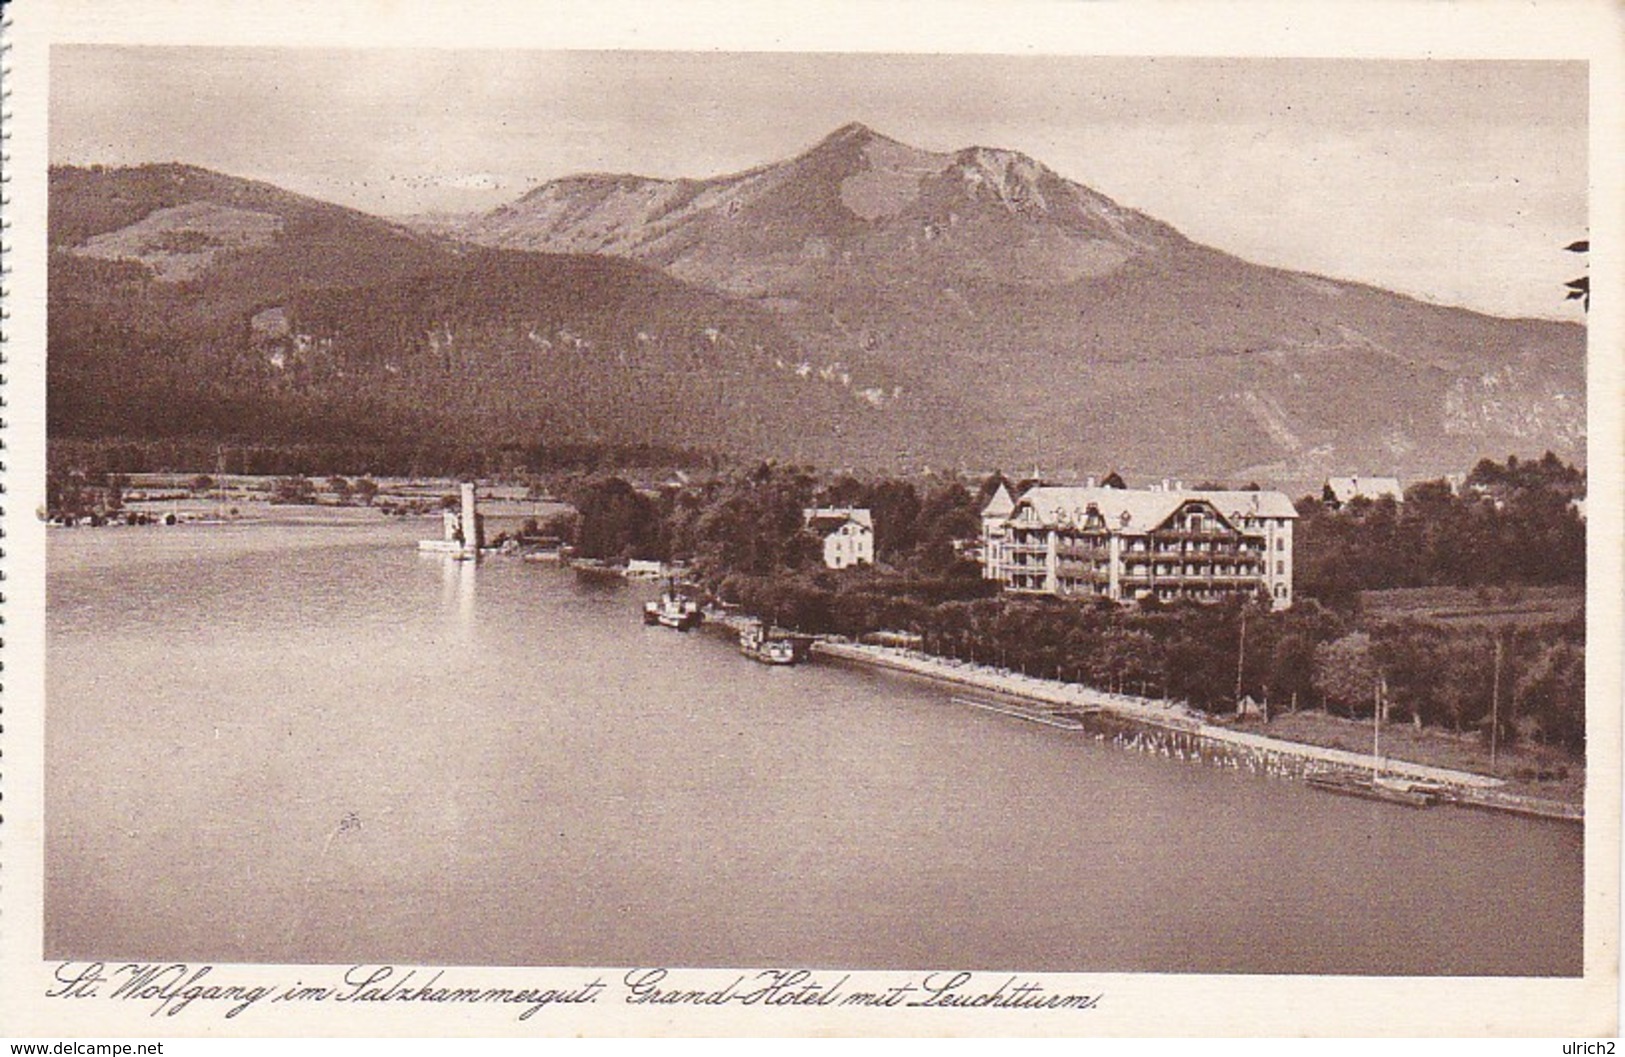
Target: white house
x,y
1340,490
848,534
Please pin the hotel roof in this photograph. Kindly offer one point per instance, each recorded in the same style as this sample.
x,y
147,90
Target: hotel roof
x,y
1135,511
999,504
827,519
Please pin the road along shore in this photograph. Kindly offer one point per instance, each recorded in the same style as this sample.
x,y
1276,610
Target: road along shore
x,y
1170,729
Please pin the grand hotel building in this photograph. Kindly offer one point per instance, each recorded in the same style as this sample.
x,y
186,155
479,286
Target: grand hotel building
x,y
1129,544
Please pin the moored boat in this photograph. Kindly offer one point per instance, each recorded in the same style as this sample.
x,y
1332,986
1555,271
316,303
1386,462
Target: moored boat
x,y
674,610
596,570
1387,788
1377,785
759,644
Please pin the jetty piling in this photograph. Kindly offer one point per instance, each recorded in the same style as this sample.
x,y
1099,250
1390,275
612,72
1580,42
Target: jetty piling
x,y
1169,731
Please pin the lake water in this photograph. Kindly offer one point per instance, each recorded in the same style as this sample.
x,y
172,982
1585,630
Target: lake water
x,y
313,744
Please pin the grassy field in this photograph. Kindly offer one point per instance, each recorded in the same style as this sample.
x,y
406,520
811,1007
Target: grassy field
x,y
1467,606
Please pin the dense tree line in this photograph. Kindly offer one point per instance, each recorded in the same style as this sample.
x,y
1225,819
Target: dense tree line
x,y
741,532
750,521
743,537
516,460
1302,658
1509,523
78,495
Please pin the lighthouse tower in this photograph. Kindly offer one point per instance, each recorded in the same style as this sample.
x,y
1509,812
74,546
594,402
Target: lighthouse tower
x,y
473,531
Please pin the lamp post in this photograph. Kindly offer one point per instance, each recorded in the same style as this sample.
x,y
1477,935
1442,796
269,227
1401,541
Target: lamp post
x,y
1241,654
1495,704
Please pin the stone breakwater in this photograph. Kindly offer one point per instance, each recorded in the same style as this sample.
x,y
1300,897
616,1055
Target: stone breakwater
x,y
1169,729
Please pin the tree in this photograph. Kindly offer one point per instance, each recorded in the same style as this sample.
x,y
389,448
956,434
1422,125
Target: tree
x,y
947,514
66,494
1411,655
617,521
896,509
1291,668
1200,670
1550,695
293,490
341,489
113,498
754,525
845,490
1345,673
1463,674
1129,660
561,525
366,490
1579,289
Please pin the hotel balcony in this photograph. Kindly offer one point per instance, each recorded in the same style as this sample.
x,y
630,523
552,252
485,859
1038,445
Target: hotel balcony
x,y
1082,543
1083,571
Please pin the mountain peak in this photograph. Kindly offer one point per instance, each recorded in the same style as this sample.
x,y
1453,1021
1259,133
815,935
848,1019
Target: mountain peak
x,y
852,130
867,303
856,133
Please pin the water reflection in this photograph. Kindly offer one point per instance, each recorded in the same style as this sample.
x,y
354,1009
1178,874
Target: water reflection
x,y
288,742
457,583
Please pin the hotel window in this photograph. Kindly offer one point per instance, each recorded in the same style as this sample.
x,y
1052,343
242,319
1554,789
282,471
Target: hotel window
x,y
1280,568
1280,544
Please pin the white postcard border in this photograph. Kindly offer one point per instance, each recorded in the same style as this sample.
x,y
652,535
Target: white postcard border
x,y
1129,1004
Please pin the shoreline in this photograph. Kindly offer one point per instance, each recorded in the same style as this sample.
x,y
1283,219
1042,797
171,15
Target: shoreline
x,y
1175,731
1160,727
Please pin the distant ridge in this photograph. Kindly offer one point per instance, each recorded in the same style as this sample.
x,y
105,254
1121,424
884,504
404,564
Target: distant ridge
x,y
184,303
864,302
999,311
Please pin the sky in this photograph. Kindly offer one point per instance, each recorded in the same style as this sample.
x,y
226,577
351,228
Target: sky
x,y
1456,182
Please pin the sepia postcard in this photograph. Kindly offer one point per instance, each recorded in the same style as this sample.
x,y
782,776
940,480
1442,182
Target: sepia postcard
x,y
925,519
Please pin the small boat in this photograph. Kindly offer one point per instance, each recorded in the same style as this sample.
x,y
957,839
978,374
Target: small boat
x,y
452,549
1393,790
1048,717
1376,785
596,570
674,610
758,644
